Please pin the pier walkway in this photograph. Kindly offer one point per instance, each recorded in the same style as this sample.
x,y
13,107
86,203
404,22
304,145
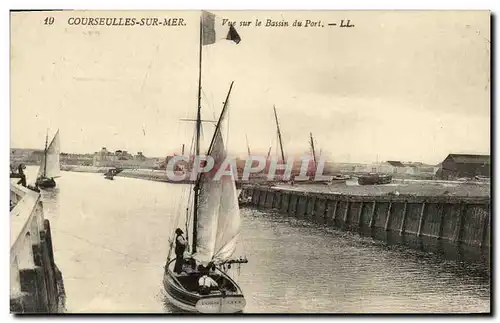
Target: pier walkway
x,y
36,284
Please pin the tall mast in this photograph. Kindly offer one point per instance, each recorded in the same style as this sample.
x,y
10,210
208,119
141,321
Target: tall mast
x,y
45,154
279,134
312,147
220,120
197,144
248,146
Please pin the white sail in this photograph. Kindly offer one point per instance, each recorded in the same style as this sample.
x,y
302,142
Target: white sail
x,y
50,167
218,224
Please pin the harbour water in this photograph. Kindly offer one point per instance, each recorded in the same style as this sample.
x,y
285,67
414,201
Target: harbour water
x,y
111,241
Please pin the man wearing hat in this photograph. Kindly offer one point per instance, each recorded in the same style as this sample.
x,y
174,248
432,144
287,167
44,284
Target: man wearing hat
x,y
180,247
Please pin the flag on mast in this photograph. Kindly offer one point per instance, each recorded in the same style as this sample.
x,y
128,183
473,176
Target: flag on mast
x,y
233,35
208,28
209,33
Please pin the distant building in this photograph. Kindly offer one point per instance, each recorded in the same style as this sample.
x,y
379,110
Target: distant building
x,y
122,159
25,156
140,156
461,165
395,163
77,159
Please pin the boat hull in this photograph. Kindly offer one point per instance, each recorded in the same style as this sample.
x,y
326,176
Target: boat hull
x,y
374,179
193,302
109,177
43,182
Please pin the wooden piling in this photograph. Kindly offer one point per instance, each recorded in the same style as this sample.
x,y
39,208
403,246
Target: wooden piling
x,y
484,231
388,216
334,218
421,220
403,221
257,199
313,206
372,216
297,206
360,215
346,212
441,221
458,232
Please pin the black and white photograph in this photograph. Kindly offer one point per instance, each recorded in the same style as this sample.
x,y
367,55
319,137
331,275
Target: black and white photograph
x,y
250,161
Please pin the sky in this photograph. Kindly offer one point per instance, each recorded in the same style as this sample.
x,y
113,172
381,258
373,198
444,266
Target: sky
x,y
407,85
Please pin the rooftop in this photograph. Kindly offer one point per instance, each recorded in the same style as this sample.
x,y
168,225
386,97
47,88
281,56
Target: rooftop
x,y
469,159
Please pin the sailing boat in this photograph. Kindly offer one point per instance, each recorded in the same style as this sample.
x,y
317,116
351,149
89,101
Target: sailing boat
x,y
337,179
50,167
280,179
215,226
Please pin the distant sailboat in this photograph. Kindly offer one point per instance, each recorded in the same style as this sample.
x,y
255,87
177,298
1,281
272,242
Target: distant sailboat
x,y
281,178
50,167
312,171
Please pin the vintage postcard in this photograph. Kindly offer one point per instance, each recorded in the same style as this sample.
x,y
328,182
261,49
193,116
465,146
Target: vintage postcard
x,y
250,162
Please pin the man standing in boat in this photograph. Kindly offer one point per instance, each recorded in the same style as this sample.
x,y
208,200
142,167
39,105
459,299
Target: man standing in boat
x,y
180,247
20,170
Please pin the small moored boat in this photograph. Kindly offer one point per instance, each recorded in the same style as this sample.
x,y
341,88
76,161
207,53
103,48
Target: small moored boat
x,y
374,179
110,174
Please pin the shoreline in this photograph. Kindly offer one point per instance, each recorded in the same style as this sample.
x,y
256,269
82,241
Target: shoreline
x,y
144,174
398,187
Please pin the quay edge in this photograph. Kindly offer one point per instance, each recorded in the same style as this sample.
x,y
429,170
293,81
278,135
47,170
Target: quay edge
x,y
36,284
421,222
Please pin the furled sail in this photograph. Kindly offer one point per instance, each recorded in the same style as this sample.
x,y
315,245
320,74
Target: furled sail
x,y
218,224
50,167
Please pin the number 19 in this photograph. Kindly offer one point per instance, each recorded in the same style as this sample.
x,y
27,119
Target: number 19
x,y
49,20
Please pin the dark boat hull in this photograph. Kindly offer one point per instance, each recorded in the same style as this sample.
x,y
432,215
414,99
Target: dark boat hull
x,y
374,179
43,182
192,301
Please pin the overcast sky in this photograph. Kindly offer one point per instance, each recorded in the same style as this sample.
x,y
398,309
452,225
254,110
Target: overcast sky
x,y
410,86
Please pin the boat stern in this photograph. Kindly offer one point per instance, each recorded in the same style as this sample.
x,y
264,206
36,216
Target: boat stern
x,y
221,304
